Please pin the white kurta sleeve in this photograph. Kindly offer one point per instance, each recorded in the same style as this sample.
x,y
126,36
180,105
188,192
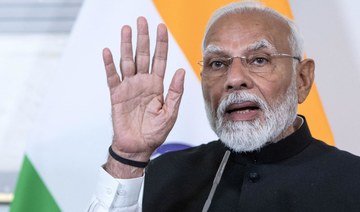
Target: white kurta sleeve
x,y
117,195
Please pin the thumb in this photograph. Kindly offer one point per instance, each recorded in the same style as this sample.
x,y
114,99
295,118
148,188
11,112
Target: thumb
x,y
175,92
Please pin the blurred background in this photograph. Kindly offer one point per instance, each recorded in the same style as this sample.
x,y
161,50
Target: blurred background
x,y
35,33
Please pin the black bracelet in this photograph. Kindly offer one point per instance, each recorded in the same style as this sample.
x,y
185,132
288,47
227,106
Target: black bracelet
x,y
137,164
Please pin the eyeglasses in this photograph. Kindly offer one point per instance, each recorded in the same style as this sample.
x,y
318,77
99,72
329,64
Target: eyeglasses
x,y
254,63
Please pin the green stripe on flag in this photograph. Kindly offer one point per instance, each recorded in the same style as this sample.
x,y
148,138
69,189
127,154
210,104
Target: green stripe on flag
x,y
31,194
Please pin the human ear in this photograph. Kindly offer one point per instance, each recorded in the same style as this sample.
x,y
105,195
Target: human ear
x,y
305,78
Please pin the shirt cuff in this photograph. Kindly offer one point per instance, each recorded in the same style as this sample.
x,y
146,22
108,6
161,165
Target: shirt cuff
x,y
117,193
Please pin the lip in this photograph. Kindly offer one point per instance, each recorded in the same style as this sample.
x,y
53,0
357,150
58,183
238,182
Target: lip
x,y
245,111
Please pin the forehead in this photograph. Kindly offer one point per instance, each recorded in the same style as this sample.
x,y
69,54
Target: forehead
x,y
240,31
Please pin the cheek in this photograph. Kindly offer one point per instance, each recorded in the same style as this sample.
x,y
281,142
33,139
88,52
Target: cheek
x,y
212,92
272,95
274,89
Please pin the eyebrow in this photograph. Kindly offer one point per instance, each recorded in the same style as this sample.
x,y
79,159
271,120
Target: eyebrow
x,y
213,49
257,45
261,44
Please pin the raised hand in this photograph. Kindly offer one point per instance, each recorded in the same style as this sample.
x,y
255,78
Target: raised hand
x,y
141,117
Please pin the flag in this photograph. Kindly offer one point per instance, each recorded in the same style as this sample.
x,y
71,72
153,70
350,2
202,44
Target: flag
x,y
73,131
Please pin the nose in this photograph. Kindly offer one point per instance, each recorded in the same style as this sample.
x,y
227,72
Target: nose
x,y
238,76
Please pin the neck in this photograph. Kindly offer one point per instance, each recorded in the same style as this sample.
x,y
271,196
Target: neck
x,y
291,129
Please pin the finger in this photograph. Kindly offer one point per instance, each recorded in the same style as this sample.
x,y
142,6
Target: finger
x,y
127,65
175,92
112,76
142,56
161,49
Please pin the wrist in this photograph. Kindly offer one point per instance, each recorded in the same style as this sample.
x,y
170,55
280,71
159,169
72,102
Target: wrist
x,y
122,168
126,161
122,171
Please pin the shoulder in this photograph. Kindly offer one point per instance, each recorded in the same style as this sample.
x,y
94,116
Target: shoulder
x,y
333,151
334,156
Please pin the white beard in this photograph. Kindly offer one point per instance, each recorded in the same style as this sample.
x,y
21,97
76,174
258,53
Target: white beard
x,y
247,136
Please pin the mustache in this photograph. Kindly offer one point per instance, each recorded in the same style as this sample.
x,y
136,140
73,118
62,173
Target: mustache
x,y
240,97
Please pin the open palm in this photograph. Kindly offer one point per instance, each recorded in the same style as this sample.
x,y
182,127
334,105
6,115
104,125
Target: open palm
x,y
142,118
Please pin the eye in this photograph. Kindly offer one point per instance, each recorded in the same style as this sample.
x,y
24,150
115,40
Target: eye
x,y
217,63
258,60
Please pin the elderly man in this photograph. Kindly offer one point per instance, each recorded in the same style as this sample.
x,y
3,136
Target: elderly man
x,y
253,77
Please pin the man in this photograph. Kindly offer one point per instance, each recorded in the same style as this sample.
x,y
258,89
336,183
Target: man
x,y
253,77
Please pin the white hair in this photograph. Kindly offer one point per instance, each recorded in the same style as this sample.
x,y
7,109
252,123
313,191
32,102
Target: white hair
x,y
295,39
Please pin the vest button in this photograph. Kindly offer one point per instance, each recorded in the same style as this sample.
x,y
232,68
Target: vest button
x,y
254,177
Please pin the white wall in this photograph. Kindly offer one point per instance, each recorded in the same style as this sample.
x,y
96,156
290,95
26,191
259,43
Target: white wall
x,y
27,65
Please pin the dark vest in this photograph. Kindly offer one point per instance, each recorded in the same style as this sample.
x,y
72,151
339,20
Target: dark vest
x,y
298,173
